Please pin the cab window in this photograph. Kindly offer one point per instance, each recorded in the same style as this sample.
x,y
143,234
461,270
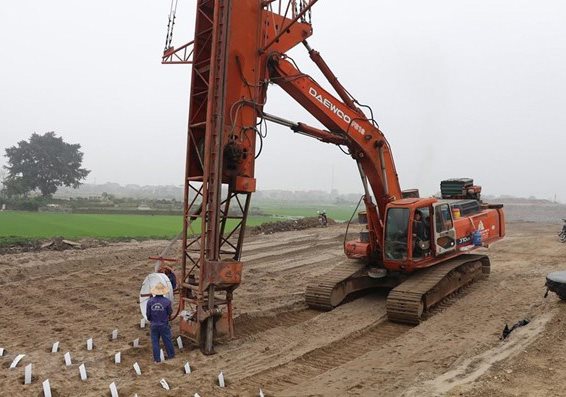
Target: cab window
x,y
396,232
442,218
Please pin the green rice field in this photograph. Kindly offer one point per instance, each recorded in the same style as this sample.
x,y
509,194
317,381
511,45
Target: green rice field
x,y
37,225
45,225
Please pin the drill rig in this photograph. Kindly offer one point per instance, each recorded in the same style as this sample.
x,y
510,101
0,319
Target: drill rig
x,y
239,48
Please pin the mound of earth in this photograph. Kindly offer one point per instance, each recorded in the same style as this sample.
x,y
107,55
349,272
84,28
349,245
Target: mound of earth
x,y
287,226
54,244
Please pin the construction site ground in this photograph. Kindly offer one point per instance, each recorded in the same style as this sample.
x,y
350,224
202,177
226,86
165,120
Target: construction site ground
x,y
283,347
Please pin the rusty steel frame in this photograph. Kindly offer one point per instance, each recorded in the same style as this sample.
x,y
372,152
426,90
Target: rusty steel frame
x,y
285,29
211,267
181,55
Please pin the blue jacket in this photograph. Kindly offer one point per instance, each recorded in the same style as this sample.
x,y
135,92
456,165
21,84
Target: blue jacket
x,y
158,310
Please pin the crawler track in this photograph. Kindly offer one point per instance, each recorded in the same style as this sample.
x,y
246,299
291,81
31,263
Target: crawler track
x,y
407,302
328,290
411,296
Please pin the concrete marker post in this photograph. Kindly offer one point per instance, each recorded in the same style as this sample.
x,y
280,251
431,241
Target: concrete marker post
x,y
1,352
137,369
161,355
180,342
118,358
136,342
221,382
16,361
142,323
27,374
55,347
82,372
115,334
261,393
113,389
164,384
46,388
187,368
67,357
89,344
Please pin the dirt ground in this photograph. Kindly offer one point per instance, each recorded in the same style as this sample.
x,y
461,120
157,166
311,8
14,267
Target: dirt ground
x,y
283,347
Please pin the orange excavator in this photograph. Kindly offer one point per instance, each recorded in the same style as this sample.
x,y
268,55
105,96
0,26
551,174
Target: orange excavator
x,y
419,248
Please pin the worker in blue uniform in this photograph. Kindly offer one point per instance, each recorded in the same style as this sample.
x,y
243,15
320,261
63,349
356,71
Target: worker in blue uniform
x,y
158,311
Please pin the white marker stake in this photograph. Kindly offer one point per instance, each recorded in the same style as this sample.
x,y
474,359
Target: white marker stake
x,y
261,393
113,389
55,347
27,374
89,344
196,395
46,388
137,369
137,342
161,355
115,334
221,380
164,384
142,323
117,358
67,357
16,361
187,368
82,371
180,342
1,351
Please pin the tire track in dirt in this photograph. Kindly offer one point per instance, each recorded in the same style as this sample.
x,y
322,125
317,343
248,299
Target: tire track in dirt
x,y
260,242
337,353
324,358
265,259
247,325
449,300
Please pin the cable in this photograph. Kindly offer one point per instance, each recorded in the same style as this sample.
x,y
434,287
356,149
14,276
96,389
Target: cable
x,y
371,119
260,145
171,23
350,221
347,153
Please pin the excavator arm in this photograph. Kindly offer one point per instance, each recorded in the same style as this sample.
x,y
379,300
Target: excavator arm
x,y
365,141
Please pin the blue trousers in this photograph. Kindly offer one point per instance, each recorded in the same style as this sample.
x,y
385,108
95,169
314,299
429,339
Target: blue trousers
x,y
162,331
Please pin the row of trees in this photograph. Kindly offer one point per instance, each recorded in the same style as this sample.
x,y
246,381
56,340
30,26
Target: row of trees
x,y
42,164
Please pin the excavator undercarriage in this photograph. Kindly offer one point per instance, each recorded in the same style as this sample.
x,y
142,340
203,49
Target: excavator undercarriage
x,y
410,297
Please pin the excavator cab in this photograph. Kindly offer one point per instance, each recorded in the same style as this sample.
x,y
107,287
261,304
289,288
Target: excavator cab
x,y
408,233
417,230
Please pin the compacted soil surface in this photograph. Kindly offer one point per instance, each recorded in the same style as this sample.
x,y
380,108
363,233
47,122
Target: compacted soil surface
x,y
282,347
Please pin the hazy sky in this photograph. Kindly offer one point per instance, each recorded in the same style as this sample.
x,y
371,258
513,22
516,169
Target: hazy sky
x,y
460,88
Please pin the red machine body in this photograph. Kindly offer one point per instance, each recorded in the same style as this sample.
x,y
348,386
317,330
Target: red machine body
x,y
240,47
